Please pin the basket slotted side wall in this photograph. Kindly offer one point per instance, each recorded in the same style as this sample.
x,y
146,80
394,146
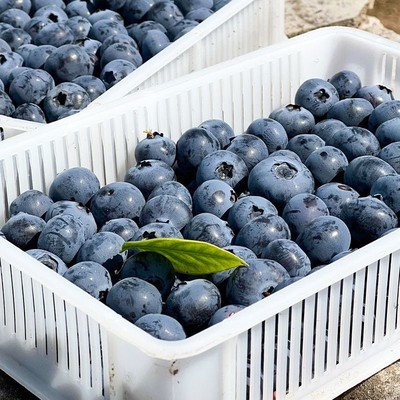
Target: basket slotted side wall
x,y
55,339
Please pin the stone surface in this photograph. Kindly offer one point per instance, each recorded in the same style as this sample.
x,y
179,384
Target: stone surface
x,y
305,15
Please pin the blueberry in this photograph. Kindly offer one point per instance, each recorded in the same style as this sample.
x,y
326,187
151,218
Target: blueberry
x,y
63,235
286,153
37,56
222,165
214,196
224,312
295,119
346,82
23,230
317,96
334,195
260,231
247,285
326,128
78,8
37,4
29,112
173,188
105,15
193,303
56,34
375,94
9,60
388,132
7,107
209,228
49,259
115,71
356,141
289,254
246,208
134,11
133,297
387,189
24,5
4,46
78,211
156,230
16,37
53,12
193,146
80,27
153,41
31,86
35,25
15,17
280,178
93,85
91,277
220,278
156,146
352,112
68,62
166,13
105,249
220,129
323,238
368,218
363,171
121,51
391,154
124,227
249,148
200,14
64,97
113,5
151,267
32,201
188,5
271,132
327,163
137,31
161,326
76,184
118,38
104,28
304,144
384,112
302,209
165,208
180,28
148,174
116,200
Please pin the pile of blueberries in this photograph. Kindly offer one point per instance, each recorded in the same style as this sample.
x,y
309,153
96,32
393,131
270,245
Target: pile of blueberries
x,y
57,56
299,189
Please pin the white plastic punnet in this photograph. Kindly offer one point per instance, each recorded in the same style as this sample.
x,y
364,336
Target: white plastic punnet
x,y
312,340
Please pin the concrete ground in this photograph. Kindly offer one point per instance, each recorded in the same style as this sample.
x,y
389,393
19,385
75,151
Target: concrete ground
x,y
301,16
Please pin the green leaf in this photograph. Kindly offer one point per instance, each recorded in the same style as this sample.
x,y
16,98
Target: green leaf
x,y
189,257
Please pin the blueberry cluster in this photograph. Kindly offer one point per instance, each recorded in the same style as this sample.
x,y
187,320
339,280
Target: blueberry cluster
x,y
299,189
58,56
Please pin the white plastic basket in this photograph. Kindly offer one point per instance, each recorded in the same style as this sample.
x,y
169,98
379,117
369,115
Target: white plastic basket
x,y
339,325
14,126
239,27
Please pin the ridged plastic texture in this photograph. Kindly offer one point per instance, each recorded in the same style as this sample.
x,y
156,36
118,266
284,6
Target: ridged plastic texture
x,y
312,340
238,28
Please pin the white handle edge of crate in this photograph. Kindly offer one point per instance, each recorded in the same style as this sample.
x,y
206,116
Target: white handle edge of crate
x,y
218,333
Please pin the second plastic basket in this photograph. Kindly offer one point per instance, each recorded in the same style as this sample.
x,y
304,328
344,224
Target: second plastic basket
x,y
312,340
